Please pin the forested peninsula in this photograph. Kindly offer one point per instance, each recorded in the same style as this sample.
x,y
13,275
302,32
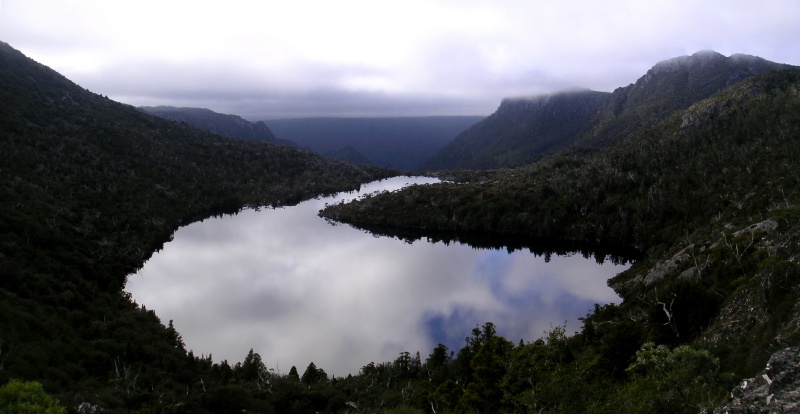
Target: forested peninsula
x,y
705,189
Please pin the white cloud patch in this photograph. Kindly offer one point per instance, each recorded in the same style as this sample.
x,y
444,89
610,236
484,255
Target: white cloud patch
x,y
273,59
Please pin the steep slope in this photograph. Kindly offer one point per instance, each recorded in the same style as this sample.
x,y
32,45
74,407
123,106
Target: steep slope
x,y
89,189
226,125
398,143
522,131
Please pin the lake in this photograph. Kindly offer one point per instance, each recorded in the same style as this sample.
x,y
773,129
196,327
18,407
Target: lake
x,y
297,289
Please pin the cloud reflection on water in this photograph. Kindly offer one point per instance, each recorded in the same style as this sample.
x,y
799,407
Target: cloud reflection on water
x,y
297,289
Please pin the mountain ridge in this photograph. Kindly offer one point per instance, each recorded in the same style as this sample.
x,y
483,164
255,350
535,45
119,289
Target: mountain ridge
x,y
232,126
521,130
670,85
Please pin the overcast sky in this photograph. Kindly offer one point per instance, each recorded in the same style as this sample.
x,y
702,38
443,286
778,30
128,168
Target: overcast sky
x,y
277,59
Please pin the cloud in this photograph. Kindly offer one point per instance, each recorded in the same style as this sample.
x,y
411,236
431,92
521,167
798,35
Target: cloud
x,y
358,58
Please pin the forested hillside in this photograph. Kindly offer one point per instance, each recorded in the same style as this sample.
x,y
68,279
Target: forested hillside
x,y
89,189
525,129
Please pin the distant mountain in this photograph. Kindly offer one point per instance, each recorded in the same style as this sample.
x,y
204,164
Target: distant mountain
x,y
398,143
348,154
231,126
523,130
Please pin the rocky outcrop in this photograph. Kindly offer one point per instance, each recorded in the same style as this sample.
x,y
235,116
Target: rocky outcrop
x,y
676,265
774,390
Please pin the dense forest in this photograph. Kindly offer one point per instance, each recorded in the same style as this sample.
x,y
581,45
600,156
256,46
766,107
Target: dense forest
x,y
90,188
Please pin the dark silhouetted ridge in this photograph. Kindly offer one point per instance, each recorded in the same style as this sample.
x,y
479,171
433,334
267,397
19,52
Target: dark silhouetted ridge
x,y
226,125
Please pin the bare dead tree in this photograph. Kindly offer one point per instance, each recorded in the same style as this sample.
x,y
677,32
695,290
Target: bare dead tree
x,y
667,310
125,375
670,314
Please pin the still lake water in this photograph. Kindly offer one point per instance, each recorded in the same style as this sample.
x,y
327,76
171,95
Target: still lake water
x,y
297,289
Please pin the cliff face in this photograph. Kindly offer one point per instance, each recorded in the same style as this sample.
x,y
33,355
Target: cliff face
x,y
522,130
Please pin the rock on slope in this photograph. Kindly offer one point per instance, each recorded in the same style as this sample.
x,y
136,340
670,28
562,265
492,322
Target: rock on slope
x,y
775,390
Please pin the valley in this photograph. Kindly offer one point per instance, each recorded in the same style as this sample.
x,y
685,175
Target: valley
x,y
693,167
